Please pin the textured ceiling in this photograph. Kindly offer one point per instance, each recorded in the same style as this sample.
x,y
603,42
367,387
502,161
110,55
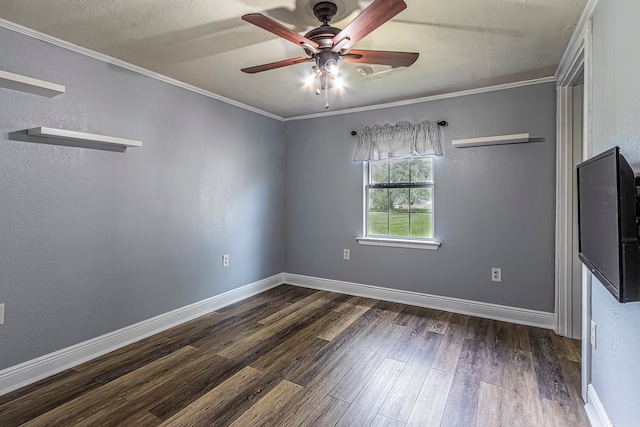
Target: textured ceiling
x,y
463,44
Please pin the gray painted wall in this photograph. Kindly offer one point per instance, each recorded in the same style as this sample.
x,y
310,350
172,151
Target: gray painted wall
x,y
93,241
494,206
616,121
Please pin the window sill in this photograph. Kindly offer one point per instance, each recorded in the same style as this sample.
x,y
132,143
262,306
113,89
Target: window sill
x,y
399,243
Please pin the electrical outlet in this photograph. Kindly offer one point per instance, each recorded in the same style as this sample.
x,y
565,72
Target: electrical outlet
x,y
225,260
346,253
2,314
593,334
496,274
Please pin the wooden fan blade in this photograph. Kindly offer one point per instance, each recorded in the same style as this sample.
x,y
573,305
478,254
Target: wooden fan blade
x,y
379,12
280,30
395,59
273,65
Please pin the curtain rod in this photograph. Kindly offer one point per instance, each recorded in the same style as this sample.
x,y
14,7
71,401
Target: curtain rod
x,y
442,123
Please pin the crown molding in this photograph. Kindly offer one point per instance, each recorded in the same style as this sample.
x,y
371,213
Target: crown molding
x,y
428,98
575,43
123,64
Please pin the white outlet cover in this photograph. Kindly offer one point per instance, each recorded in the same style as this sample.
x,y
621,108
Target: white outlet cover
x,y
496,274
2,314
225,260
593,334
346,254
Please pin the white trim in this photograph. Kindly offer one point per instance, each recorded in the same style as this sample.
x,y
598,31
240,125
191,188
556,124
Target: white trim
x,y
575,60
365,196
26,84
399,243
564,212
491,140
575,43
586,332
595,411
587,151
114,61
447,95
34,370
42,367
46,132
504,313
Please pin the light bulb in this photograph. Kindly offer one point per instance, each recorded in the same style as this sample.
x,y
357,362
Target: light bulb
x,y
309,80
332,67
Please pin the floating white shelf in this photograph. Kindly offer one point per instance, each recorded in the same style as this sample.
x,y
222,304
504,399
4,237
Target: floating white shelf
x,y
82,137
491,140
29,85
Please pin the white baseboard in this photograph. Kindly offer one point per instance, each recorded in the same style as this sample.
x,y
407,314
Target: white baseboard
x,y
34,370
473,308
594,409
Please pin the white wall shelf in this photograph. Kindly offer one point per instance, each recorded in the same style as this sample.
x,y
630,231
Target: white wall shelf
x,y
29,85
491,140
83,139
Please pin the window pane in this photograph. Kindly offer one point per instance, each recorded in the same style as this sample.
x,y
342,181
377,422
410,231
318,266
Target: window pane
x,y
422,169
379,172
399,170
378,212
421,212
421,200
422,225
399,212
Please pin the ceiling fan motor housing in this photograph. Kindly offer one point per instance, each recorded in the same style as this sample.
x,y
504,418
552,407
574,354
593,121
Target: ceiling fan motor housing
x,y
323,35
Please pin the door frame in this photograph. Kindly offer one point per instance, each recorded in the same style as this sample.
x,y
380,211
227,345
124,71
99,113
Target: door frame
x,y
577,59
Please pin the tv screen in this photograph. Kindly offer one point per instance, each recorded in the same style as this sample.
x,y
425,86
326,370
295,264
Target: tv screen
x,y
606,215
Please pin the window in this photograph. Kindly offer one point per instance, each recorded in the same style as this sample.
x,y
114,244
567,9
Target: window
x,y
398,203
398,183
399,198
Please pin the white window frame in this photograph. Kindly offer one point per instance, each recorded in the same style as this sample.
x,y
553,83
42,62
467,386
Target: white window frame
x,y
396,242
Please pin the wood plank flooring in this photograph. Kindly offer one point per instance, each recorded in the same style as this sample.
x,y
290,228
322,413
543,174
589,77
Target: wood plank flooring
x,y
299,357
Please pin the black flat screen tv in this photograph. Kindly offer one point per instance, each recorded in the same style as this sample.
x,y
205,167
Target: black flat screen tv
x,y
608,231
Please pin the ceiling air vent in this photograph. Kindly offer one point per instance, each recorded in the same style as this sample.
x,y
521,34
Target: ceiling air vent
x,y
370,72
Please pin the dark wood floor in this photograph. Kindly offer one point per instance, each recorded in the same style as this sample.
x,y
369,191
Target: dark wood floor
x,y
298,357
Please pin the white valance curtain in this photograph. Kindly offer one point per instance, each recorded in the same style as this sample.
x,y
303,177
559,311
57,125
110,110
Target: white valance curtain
x,y
399,140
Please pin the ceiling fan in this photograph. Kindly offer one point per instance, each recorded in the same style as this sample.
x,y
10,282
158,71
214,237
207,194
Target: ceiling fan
x,y
327,45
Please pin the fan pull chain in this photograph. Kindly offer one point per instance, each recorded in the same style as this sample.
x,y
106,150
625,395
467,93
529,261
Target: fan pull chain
x,y
326,98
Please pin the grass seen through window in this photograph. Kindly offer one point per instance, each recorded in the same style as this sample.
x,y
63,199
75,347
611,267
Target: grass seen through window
x,y
397,224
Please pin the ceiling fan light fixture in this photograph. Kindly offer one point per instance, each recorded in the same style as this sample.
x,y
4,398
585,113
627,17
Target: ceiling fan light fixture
x,y
327,61
310,80
332,67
